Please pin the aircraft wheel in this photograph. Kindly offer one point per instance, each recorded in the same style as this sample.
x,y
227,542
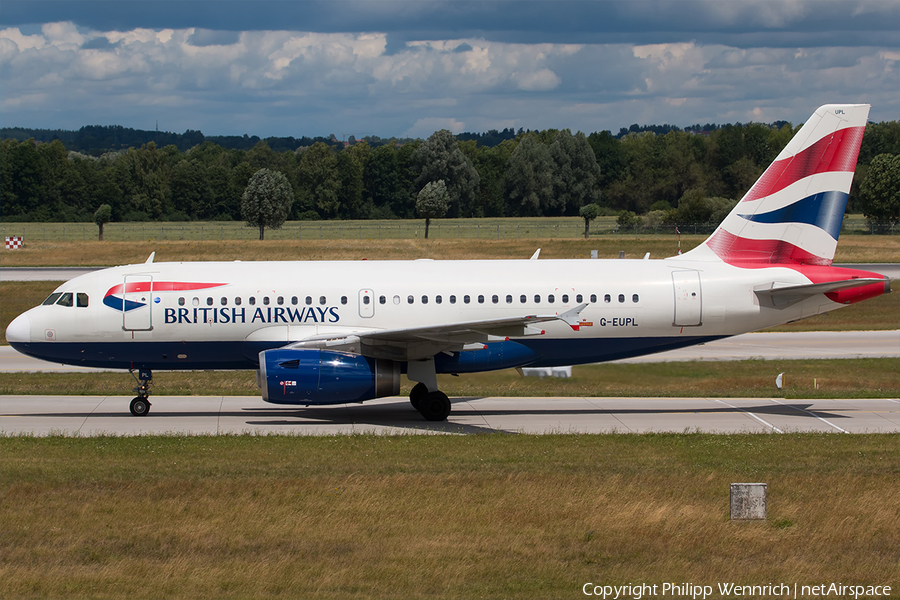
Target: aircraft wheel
x,y
140,406
435,406
417,394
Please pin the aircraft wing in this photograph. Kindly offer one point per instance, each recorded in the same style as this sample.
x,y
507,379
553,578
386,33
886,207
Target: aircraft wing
x,y
414,343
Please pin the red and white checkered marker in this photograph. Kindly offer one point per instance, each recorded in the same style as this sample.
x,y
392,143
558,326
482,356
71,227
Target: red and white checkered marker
x,y
13,242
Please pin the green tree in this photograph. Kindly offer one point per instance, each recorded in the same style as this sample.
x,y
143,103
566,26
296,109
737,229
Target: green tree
x,y
879,193
576,175
319,181
432,202
143,175
440,157
351,163
588,212
528,183
102,216
267,200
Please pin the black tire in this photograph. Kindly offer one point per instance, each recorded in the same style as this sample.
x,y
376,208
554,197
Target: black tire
x,y
417,394
435,406
140,406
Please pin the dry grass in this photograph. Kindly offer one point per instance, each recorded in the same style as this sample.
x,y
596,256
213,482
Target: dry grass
x,y
851,378
418,517
852,249
92,253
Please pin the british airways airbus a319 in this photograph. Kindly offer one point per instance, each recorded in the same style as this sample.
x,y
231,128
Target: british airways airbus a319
x,y
337,332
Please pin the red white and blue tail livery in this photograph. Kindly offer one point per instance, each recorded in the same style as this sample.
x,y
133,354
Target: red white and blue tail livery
x,y
336,332
793,213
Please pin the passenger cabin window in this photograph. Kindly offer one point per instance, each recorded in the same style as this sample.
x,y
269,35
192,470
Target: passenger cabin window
x,y
523,299
607,298
565,298
593,298
223,301
65,299
195,301
308,300
537,298
344,299
551,298
578,298
396,299
52,298
266,300
381,300
181,301
366,300
509,298
251,300
424,299
635,298
81,300
295,300
466,299
322,300
280,300
452,299
480,298
621,297
237,301
438,299
495,299
410,299
209,301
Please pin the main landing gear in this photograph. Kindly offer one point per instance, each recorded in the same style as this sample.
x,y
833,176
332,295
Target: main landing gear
x,y
140,405
432,403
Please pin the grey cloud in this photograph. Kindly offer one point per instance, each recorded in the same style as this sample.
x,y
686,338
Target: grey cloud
x,y
208,37
98,43
735,22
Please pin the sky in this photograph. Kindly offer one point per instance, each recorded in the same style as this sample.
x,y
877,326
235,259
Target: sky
x,y
406,68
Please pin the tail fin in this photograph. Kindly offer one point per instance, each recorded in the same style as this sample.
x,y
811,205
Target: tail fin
x,y
793,213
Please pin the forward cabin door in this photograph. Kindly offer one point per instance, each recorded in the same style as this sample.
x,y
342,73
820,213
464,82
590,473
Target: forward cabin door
x,y
688,300
137,302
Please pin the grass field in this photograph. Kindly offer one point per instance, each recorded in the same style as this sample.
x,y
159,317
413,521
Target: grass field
x,y
491,516
846,378
53,253
484,228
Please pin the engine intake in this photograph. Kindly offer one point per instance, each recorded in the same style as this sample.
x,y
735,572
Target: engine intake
x,y
301,376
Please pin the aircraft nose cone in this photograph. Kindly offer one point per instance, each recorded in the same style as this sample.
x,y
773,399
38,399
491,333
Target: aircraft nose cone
x,y
19,331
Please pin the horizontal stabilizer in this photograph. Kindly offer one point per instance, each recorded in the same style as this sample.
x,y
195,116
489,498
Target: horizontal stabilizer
x,y
782,297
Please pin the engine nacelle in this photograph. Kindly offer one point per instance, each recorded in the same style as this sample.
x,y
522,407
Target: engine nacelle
x,y
288,376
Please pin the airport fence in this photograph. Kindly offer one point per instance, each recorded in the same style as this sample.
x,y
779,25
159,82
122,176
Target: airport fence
x,y
552,228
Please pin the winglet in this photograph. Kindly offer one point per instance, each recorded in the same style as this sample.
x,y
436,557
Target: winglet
x,y
535,255
150,258
570,317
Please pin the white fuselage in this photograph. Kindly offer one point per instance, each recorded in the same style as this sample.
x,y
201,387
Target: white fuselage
x,y
633,306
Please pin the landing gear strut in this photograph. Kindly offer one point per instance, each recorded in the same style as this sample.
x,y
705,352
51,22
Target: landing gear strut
x,y
432,403
140,405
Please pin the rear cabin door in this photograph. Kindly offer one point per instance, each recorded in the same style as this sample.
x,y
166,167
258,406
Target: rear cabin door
x,y
137,303
688,300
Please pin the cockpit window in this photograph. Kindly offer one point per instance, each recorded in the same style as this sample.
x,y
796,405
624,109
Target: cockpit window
x,y
51,299
81,300
65,299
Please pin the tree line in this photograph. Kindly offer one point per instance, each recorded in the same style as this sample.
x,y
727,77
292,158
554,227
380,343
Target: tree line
x,y
678,176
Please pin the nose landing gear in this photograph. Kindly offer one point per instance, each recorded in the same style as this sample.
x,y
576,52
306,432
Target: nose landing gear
x,y
140,405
